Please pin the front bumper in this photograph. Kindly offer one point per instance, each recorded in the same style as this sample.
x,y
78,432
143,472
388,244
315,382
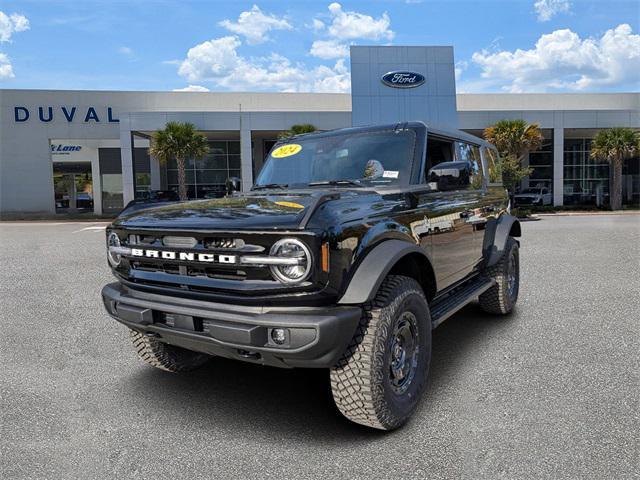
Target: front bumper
x,y
315,336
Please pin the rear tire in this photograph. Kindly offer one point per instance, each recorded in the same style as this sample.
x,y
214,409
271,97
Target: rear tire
x,y
381,377
164,356
502,297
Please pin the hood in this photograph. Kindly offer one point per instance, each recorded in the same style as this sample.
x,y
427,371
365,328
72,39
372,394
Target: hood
x,y
271,211
230,213
268,211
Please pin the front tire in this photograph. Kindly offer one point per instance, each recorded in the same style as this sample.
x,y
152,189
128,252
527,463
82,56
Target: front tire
x,y
381,377
502,297
164,356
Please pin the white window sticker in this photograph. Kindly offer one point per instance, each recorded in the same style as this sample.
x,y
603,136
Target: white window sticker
x,y
390,174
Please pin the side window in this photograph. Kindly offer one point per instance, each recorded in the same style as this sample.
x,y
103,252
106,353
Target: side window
x,y
444,171
470,154
493,166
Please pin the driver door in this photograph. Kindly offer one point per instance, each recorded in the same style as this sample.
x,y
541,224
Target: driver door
x,y
450,209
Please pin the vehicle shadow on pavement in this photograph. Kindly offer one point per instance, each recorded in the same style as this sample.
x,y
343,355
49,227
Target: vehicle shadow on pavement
x,y
236,396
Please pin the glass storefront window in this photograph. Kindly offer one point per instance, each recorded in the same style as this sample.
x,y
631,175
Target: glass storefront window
x,y
541,163
111,179
143,182
586,181
112,198
206,177
234,161
172,177
73,187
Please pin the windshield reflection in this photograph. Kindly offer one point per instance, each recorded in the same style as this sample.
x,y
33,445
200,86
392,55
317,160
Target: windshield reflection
x,y
376,158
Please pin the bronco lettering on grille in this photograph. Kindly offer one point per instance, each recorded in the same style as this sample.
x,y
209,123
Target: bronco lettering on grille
x,y
185,256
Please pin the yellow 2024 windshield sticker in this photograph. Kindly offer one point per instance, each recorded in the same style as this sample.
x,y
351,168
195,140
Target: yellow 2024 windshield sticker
x,y
290,204
286,150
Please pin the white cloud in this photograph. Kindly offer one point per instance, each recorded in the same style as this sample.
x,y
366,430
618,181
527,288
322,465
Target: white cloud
x,y
347,25
6,70
212,59
547,9
317,25
10,24
255,24
561,60
127,51
329,49
333,80
218,61
192,88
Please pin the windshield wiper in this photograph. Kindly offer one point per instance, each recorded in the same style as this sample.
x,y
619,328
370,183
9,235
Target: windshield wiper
x,y
271,185
335,182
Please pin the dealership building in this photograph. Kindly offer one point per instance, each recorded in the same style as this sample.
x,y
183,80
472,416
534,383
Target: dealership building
x,y
68,151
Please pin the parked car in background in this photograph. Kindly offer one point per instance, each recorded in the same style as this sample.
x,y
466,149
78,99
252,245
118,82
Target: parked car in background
x,y
534,196
84,200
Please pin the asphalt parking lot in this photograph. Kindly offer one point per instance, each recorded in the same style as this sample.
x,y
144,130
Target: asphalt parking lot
x,y
550,392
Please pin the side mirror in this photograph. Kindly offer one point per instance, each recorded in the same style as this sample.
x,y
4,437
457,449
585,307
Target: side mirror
x,y
233,185
450,175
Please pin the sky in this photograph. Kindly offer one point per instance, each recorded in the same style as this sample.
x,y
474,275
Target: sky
x,y
303,46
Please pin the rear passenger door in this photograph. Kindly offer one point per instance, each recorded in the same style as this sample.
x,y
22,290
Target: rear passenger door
x,y
476,197
454,184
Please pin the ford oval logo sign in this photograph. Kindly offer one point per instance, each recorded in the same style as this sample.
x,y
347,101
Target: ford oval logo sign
x,y
401,79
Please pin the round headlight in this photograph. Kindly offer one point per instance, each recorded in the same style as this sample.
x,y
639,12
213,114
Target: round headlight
x,y
300,266
113,241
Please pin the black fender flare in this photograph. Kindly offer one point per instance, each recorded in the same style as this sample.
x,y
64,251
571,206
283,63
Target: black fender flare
x,y
373,269
496,234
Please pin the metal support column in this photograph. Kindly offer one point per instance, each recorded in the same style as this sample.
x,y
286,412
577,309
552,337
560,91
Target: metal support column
x,y
126,155
96,181
246,158
558,166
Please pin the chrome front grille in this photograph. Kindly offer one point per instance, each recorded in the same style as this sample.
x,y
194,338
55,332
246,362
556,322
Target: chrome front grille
x,y
196,244
233,243
207,243
202,261
189,270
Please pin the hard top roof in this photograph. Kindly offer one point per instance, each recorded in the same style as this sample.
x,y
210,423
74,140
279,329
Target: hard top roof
x,y
437,130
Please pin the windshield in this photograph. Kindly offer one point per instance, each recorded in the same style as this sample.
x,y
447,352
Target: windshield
x,y
368,158
531,190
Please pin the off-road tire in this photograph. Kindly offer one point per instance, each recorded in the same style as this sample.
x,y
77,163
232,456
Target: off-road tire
x,y
166,357
499,299
360,381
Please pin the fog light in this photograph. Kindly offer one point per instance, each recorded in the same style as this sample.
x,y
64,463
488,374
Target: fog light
x,y
279,335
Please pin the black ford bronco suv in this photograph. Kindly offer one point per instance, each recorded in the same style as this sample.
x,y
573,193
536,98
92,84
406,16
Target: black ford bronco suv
x,y
349,249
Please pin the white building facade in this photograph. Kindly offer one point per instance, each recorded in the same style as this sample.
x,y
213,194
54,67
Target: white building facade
x,y
70,151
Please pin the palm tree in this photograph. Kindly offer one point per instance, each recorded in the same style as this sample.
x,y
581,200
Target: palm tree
x,y
179,141
297,130
615,145
514,139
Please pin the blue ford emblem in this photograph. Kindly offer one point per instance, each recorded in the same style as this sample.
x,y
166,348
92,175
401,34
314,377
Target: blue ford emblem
x,y
401,79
